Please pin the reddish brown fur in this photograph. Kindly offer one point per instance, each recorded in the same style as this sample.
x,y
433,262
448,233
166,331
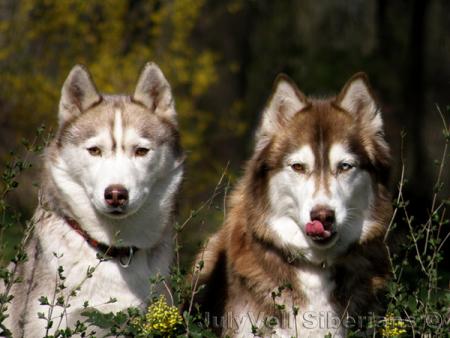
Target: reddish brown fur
x,y
245,260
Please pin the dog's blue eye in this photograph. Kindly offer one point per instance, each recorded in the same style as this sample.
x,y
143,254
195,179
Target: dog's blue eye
x,y
344,166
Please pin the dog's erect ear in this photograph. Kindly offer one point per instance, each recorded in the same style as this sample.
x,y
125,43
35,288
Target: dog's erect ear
x,y
357,99
78,94
154,92
285,101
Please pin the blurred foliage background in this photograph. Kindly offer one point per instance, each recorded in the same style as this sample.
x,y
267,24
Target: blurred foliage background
x,y
221,58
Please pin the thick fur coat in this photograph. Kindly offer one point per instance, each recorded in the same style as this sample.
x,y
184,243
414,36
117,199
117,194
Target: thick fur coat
x,y
302,248
113,169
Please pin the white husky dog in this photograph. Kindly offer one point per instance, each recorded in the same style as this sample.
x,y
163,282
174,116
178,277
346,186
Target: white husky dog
x,y
110,182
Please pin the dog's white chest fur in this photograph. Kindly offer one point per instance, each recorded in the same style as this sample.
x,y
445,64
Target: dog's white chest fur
x,y
109,279
317,286
61,246
318,317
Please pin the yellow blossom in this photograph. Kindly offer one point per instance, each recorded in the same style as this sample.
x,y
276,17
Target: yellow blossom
x,y
393,327
160,318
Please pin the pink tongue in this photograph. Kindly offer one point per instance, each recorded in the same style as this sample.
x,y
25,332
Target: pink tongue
x,y
315,228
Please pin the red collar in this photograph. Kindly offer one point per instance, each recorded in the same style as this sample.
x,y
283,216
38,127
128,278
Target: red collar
x,y
123,253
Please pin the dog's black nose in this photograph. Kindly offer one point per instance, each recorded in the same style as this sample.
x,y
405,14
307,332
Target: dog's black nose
x,y
323,214
116,195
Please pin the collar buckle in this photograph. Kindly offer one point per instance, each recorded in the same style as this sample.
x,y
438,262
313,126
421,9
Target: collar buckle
x,y
127,263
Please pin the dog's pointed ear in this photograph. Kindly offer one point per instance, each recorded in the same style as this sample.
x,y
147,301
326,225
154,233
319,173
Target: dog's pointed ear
x,y
286,100
154,92
78,94
357,99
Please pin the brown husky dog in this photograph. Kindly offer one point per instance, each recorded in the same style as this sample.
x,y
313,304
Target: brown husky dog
x,y
302,246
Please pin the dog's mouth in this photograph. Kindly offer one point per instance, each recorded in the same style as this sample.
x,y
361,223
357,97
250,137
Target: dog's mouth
x,y
321,233
120,212
117,213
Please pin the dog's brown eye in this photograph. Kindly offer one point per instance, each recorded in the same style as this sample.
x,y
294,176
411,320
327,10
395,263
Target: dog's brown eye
x,y
298,167
95,151
344,166
141,151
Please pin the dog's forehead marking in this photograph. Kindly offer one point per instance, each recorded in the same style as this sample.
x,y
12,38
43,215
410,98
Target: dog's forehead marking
x,y
118,129
98,138
339,152
133,136
304,154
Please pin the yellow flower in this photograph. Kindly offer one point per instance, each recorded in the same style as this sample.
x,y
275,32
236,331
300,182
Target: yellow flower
x,y
393,327
160,318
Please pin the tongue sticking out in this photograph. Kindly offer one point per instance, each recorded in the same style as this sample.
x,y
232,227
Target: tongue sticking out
x,y
316,229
